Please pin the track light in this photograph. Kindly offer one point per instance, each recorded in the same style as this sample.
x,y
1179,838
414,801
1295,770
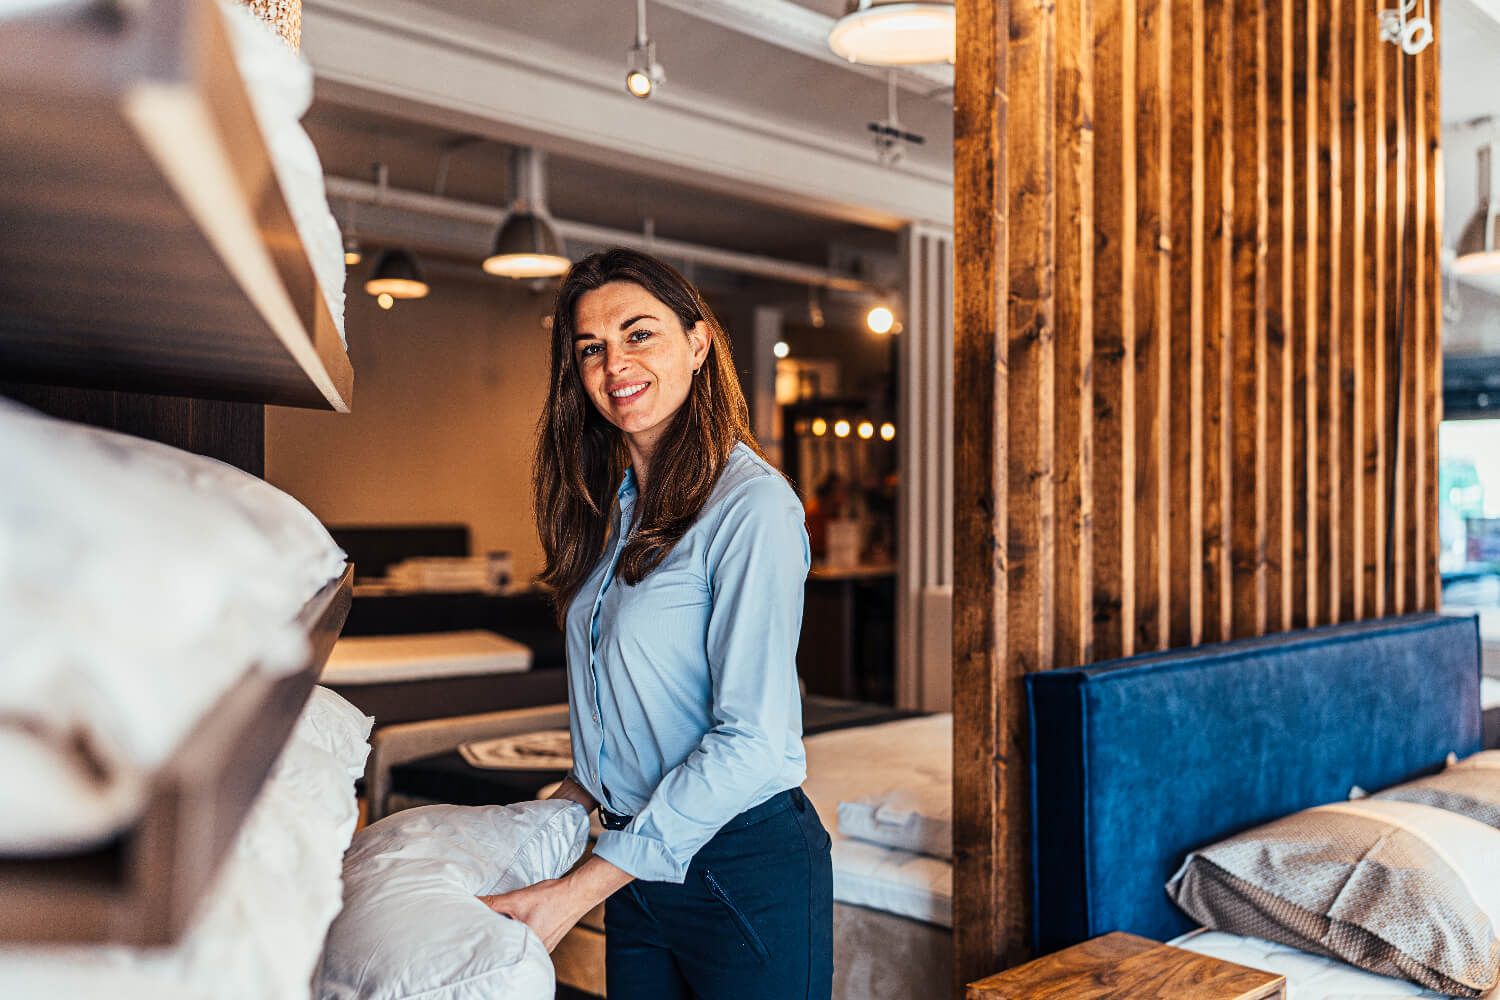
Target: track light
x,y
526,245
352,255
895,34
643,74
398,275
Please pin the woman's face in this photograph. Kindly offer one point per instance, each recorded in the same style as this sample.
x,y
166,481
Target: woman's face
x,y
636,360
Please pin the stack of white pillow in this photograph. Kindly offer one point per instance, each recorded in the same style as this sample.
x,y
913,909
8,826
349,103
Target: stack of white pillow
x,y
138,585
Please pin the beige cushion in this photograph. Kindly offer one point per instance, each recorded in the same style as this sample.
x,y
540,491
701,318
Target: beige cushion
x,y
1470,788
1395,888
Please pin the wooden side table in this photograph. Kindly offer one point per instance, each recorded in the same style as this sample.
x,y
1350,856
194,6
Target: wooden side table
x,y
1126,967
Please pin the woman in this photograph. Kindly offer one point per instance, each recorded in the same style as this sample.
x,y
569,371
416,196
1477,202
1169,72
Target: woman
x,y
677,555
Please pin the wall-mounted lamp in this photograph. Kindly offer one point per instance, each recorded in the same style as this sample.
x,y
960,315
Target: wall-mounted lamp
x,y
526,245
398,275
1479,241
643,74
895,34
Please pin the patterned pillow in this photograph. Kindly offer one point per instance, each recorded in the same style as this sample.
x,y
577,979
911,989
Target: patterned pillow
x,y
1392,887
1470,788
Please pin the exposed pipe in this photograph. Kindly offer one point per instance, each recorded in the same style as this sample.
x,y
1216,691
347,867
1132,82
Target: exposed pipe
x,y
363,192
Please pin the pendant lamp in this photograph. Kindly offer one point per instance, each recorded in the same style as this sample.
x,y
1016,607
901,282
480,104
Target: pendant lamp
x,y
397,275
1479,240
895,34
526,245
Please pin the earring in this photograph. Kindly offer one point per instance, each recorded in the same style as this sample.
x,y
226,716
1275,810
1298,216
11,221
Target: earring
x,y
695,371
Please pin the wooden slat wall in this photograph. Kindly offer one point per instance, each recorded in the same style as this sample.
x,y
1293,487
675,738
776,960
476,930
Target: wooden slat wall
x,y
1196,357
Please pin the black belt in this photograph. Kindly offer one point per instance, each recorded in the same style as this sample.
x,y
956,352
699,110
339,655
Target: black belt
x,y
791,798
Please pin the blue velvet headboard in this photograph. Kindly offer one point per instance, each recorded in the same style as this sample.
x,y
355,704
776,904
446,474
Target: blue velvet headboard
x,y
1135,762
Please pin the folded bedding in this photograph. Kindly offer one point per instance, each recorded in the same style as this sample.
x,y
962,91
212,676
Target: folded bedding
x,y
138,585
258,932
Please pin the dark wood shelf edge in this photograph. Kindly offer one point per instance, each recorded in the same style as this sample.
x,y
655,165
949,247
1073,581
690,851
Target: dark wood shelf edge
x,y
197,803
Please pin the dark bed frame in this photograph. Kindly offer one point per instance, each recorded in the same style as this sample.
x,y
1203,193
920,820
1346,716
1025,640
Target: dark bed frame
x,y
1137,761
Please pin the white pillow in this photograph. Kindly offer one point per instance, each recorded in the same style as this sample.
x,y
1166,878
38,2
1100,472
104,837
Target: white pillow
x,y
903,794
411,925
329,721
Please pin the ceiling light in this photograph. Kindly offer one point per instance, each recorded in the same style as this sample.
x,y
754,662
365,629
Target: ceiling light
x,y
819,427
887,432
397,275
1479,240
781,349
526,245
384,300
895,34
866,429
841,429
880,320
352,255
643,74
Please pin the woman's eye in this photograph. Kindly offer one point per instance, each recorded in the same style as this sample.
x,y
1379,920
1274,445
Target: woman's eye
x,y
639,335
590,350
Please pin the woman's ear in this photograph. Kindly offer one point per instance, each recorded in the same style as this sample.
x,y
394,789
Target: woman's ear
x,y
700,337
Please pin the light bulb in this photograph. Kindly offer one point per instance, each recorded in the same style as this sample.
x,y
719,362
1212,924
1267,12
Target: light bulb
x,y
841,429
385,301
819,427
880,320
866,429
887,432
782,349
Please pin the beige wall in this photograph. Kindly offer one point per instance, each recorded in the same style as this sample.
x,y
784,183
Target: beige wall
x,y
447,391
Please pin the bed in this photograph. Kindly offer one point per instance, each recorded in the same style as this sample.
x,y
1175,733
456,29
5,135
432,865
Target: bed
x,y
1135,763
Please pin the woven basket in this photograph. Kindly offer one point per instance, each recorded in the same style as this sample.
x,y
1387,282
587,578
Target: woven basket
x,y
283,15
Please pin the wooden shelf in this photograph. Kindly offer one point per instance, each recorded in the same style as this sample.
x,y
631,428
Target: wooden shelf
x,y
145,243
142,889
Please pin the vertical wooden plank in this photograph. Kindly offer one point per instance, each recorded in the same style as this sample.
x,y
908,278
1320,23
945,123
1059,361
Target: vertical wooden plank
x,y
1248,322
1278,392
1114,333
1325,329
982,693
1397,190
1354,22
1030,150
1302,328
1153,309
1378,281
1074,314
1433,332
1419,277
1187,320
1218,292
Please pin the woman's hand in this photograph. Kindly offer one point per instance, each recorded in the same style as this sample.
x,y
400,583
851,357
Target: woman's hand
x,y
552,907
573,792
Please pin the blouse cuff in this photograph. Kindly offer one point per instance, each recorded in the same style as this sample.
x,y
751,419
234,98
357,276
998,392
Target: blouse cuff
x,y
640,857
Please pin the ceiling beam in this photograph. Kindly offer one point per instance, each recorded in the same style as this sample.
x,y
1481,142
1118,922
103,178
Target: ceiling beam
x,y
385,56
796,28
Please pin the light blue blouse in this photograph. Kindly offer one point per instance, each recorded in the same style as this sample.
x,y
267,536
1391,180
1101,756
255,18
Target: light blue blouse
x,y
682,689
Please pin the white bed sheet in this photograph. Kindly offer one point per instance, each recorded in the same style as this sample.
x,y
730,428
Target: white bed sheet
x,y
845,765
1308,977
382,658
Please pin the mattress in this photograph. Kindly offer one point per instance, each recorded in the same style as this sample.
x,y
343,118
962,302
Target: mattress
x,y
1308,977
384,658
845,765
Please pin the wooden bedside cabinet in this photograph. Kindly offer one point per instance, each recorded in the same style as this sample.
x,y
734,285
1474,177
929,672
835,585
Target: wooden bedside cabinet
x,y
1126,967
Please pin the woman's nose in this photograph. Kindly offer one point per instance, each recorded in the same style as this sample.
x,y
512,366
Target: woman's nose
x,y
615,359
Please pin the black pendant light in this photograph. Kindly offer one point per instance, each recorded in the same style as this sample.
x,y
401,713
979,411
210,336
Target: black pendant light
x,y
526,245
398,275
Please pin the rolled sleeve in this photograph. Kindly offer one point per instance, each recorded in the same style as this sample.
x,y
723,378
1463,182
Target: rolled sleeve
x,y
757,562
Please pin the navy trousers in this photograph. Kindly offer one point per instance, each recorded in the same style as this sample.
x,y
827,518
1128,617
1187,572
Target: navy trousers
x,y
752,921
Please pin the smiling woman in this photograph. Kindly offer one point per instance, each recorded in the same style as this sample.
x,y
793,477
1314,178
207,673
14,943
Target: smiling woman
x,y
677,556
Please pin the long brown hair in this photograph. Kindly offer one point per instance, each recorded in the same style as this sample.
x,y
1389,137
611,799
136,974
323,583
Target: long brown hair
x,y
581,457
